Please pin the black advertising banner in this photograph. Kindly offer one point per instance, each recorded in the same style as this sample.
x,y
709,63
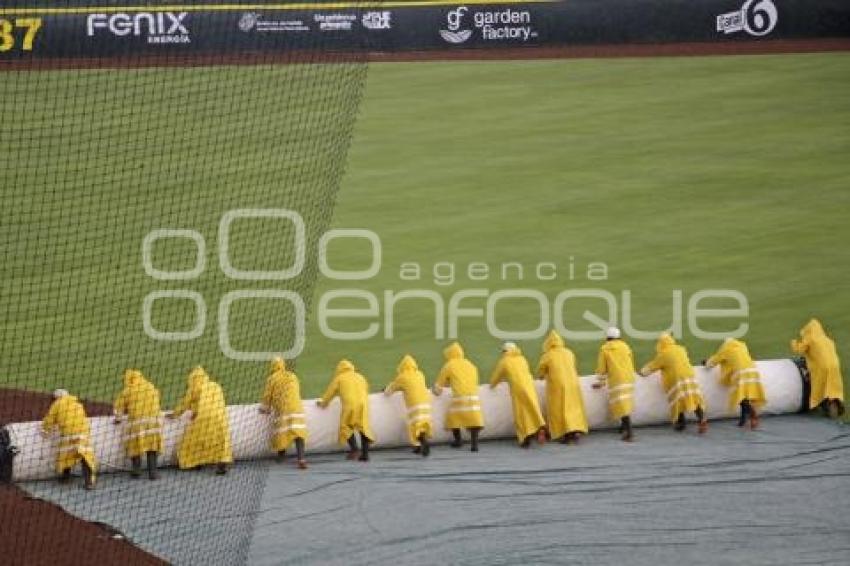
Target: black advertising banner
x,y
103,29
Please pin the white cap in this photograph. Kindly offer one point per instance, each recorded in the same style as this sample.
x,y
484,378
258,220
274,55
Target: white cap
x,y
60,393
612,333
508,346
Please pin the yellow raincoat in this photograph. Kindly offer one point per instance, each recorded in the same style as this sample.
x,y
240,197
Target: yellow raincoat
x,y
410,381
564,403
615,367
823,363
462,376
139,401
739,373
67,415
207,438
513,368
353,391
282,396
677,377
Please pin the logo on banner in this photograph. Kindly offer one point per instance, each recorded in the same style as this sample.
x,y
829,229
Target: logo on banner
x,y
493,25
335,22
377,20
155,27
252,21
756,17
454,20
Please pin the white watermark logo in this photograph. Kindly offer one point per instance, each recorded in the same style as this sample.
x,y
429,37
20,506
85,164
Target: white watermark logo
x,y
350,313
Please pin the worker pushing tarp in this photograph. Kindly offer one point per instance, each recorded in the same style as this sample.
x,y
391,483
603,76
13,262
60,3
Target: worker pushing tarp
x,y
251,430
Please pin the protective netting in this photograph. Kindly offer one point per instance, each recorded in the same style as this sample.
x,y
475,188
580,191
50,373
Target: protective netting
x,y
165,181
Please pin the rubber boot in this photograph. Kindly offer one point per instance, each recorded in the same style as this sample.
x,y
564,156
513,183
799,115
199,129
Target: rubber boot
x,y
426,447
745,412
626,427
153,474
299,451
136,467
681,423
474,434
703,423
221,469
281,456
832,408
458,439
364,448
564,439
576,437
65,476
88,476
527,442
353,452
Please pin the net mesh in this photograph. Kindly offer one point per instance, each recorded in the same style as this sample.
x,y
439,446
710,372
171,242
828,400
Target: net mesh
x,y
161,209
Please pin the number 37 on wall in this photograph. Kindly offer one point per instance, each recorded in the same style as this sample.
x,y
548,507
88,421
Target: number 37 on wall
x,y
9,30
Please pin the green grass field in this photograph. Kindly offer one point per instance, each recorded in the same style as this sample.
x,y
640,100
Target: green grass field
x,y
677,173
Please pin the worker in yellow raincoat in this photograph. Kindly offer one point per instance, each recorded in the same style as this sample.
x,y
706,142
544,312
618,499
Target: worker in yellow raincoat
x,y
513,368
417,399
739,373
565,416
827,385
207,437
139,403
615,368
67,416
464,411
677,378
282,400
353,392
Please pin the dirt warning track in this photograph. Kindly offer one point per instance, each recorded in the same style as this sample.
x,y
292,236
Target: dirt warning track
x,y
36,532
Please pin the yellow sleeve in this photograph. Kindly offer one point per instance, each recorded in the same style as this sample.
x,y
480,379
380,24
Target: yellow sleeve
x,y
49,422
120,405
714,360
185,403
393,386
331,392
266,399
498,374
444,378
652,366
601,365
799,346
542,367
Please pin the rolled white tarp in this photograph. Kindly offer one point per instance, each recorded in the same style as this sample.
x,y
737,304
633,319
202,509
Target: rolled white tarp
x,y
250,431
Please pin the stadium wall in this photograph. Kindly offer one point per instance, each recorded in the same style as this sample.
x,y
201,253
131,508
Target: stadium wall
x,y
98,28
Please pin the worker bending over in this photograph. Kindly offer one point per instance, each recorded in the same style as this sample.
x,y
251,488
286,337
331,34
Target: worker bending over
x,y
513,368
417,399
353,392
677,378
139,403
464,411
67,416
207,437
738,372
282,400
827,385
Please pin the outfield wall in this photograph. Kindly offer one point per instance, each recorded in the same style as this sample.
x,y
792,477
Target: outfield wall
x,y
99,28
